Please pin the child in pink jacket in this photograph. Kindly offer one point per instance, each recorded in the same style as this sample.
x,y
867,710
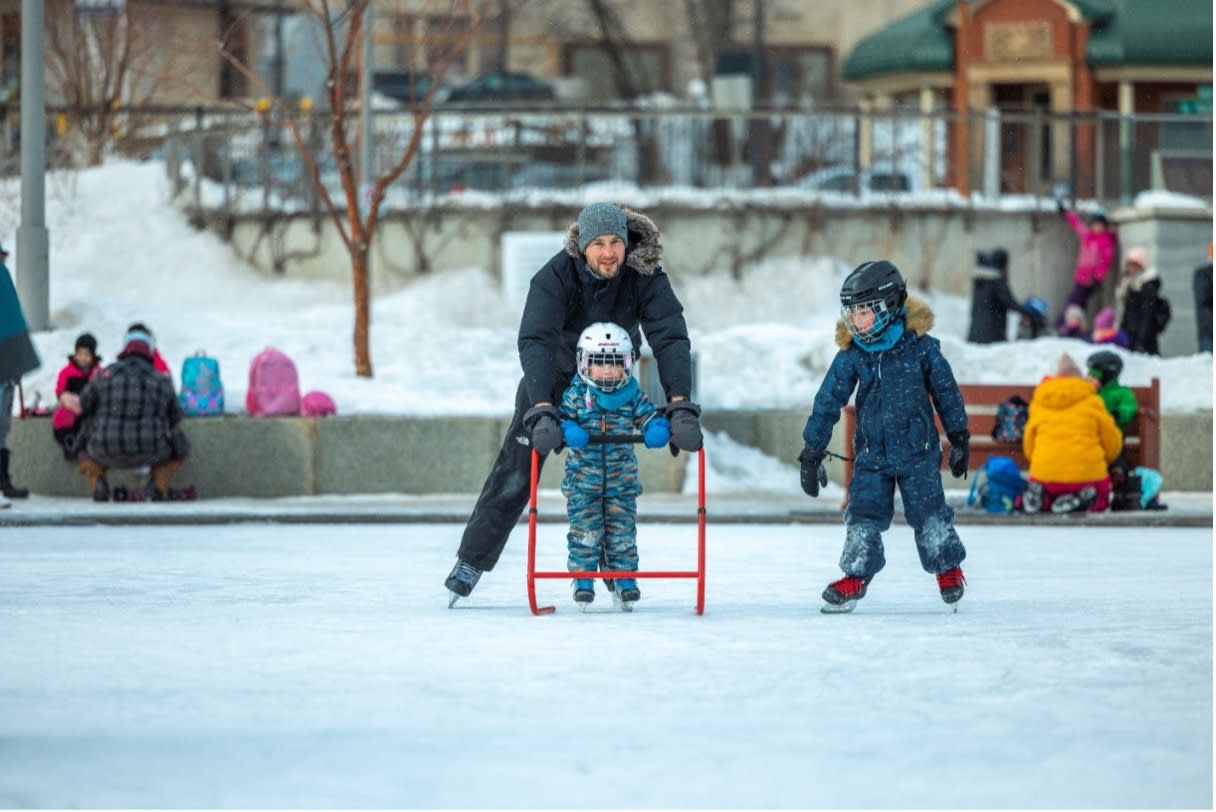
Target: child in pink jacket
x,y
82,365
1094,256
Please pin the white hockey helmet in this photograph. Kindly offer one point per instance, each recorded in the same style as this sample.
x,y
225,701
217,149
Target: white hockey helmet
x,y
605,344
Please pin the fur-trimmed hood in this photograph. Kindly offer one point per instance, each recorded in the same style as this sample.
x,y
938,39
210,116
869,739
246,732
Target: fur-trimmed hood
x,y
1134,283
644,252
919,320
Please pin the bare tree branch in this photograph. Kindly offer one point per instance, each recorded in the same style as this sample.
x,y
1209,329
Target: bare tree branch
x,y
341,46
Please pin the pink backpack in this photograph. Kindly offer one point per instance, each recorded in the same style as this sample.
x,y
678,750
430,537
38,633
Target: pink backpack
x,y
274,385
318,404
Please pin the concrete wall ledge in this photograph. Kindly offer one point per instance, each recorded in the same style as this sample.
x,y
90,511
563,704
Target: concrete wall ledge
x,y
238,456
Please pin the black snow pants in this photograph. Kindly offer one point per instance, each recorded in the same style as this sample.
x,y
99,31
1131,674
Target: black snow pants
x,y
504,496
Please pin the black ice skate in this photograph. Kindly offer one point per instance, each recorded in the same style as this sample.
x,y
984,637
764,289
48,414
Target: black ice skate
x,y
584,593
951,583
461,580
1032,498
842,596
626,593
1075,502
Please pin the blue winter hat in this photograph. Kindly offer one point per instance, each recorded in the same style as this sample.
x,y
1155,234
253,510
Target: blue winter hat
x,y
599,219
138,340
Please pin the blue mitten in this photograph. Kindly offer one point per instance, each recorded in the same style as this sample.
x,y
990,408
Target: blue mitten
x,y
657,432
576,436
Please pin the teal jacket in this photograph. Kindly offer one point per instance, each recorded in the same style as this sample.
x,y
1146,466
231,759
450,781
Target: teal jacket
x,y
17,354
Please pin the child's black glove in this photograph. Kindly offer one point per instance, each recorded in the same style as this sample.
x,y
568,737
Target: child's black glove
x,y
960,452
543,428
814,476
1060,207
685,425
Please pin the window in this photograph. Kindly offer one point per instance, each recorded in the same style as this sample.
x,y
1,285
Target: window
x,y
796,74
648,66
420,41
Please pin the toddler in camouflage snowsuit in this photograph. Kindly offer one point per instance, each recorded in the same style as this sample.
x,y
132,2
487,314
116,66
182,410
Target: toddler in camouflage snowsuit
x,y
601,483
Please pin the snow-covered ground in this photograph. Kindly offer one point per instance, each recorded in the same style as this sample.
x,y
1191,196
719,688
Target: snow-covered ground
x,y
258,666
446,344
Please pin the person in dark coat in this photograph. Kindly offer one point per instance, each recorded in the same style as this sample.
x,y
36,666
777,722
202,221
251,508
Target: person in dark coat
x,y
1145,310
133,419
902,380
608,270
1201,281
17,358
991,299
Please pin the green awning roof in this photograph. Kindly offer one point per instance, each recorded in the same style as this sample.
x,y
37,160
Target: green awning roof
x,y
1125,32
1143,32
918,42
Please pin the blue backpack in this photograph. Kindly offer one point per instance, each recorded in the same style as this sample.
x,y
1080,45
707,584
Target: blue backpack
x,y
202,390
997,485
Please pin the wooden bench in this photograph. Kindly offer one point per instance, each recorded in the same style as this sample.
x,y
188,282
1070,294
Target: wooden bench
x,y
1142,441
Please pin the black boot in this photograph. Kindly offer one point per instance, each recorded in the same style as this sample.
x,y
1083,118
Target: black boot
x,y
6,485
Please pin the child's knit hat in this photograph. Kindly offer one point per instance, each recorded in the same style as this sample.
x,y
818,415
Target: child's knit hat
x,y
1066,367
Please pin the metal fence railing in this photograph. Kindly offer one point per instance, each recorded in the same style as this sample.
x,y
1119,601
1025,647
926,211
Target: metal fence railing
x,y
236,160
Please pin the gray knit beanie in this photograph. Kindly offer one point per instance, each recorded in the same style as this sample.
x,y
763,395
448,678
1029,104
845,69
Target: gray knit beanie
x,y
598,219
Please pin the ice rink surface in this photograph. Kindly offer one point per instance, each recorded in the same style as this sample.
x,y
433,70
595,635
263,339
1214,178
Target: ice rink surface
x,y
272,665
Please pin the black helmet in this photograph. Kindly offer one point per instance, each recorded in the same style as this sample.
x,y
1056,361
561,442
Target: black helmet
x,y
879,285
1105,366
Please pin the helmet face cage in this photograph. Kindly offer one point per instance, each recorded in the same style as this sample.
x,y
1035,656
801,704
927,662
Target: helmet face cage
x,y
609,349
874,287
860,310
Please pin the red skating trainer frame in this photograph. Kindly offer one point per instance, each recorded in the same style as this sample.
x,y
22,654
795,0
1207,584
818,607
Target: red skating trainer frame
x,y
699,573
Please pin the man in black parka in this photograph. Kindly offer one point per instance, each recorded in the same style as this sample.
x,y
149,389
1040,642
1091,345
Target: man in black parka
x,y
991,299
609,270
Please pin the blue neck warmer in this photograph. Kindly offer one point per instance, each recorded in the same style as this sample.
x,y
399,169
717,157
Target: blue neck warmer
x,y
889,336
610,401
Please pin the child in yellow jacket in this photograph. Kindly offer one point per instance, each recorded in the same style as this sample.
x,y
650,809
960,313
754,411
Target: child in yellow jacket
x,y
1070,440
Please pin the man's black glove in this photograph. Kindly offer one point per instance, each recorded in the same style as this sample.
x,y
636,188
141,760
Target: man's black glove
x,y
543,425
814,476
685,425
960,452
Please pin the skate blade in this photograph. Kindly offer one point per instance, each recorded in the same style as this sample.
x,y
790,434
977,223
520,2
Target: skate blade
x,y
624,606
452,598
838,608
582,605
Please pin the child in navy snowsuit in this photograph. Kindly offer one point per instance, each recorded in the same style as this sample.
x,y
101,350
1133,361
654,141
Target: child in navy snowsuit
x,y
901,378
601,484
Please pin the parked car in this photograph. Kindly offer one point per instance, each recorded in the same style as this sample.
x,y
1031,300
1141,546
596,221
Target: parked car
x,y
407,87
545,175
502,87
844,179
